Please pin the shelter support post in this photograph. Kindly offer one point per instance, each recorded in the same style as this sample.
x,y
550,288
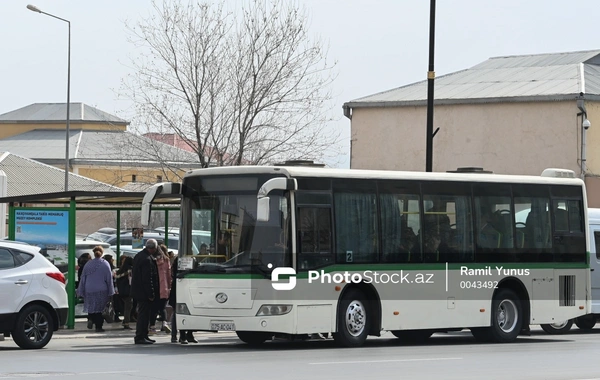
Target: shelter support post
x,y
71,262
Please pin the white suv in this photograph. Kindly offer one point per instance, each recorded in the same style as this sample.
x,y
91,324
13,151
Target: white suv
x,y
33,299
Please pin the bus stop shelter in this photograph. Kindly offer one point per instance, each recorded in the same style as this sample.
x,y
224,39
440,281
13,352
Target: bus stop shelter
x,y
59,210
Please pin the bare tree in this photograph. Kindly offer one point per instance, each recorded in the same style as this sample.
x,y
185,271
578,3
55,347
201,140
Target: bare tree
x,y
242,87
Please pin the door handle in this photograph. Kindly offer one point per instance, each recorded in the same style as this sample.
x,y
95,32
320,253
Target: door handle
x,y
21,282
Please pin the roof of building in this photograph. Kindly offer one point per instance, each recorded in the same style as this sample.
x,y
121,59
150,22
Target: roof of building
x,y
538,77
94,147
26,177
49,113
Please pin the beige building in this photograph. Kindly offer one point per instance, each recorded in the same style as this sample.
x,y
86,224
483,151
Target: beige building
x,y
510,115
100,147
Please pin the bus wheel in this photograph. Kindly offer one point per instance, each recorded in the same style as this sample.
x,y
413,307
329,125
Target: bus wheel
x,y
253,338
586,322
352,320
412,336
558,328
506,317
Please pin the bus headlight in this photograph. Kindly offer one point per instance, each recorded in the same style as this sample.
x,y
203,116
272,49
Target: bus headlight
x,y
182,308
273,310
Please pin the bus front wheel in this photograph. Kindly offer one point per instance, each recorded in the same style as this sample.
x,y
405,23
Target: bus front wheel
x,y
558,328
353,319
253,338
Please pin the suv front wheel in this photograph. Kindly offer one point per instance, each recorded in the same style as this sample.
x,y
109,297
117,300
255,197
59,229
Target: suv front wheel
x,y
34,327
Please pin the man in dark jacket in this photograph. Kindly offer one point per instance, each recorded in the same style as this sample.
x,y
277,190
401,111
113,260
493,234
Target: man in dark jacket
x,y
144,288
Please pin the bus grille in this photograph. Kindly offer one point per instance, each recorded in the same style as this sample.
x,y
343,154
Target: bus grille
x,y
566,288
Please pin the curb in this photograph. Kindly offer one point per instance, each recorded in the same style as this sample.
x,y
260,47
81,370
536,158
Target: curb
x,y
116,331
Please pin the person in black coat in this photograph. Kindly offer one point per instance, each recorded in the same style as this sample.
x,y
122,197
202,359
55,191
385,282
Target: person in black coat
x,y
144,288
123,277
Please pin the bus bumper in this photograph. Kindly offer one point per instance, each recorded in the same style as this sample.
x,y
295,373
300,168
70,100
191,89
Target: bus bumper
x,y
273,324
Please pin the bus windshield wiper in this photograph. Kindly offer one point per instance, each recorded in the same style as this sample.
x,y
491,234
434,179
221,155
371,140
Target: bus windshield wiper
x,y
207,268
260,269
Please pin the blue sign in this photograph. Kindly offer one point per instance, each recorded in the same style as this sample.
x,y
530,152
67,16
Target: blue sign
x,y
48,229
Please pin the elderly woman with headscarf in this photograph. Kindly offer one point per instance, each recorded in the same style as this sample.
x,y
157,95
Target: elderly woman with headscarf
x,y
96,287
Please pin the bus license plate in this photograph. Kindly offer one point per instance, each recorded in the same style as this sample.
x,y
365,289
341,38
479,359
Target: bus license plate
x,y
222,326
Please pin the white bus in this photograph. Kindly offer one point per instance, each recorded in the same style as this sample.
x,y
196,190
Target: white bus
x,y
300,250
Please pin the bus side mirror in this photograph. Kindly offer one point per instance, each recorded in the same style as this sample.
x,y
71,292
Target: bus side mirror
x,y
262,209
146,210
164,188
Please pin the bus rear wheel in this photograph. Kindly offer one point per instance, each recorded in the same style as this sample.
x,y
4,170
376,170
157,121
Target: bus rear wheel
x,y
506,320
558,328
352,320
253,338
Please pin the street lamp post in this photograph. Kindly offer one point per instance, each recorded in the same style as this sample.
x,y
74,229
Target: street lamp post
x,y
36,9
430,80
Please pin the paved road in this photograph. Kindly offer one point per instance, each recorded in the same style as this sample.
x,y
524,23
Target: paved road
x,y
112,355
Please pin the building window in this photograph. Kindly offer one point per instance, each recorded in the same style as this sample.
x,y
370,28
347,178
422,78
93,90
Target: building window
x,y
133,178
159,178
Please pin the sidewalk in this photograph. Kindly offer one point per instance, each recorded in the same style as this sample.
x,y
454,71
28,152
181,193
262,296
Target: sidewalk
x,y
115,330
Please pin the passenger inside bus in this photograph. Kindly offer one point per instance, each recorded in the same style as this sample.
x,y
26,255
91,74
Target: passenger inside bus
x,y
488,235
434,233
408,251
537,227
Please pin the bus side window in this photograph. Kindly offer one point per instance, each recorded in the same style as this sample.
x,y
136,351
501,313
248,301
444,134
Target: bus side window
x,y
447,233
532,221
356,224
314,237
399,212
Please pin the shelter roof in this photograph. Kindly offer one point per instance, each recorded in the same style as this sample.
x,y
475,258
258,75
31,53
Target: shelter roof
x,y
25,176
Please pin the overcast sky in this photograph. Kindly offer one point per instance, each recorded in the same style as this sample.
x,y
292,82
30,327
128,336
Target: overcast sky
x,y
378,44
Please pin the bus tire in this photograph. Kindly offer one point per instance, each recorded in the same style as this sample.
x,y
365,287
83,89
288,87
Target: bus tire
x,y
557,328
586,322
34,327
253,338
352,319
412,336
507,316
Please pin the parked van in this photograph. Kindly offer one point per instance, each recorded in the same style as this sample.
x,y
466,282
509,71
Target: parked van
x,y
586,322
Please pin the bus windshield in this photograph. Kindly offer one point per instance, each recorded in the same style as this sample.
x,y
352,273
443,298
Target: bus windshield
x,y
227,237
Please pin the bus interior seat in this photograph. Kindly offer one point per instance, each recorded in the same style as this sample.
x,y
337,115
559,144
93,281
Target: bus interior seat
x,y
503,223
537,233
